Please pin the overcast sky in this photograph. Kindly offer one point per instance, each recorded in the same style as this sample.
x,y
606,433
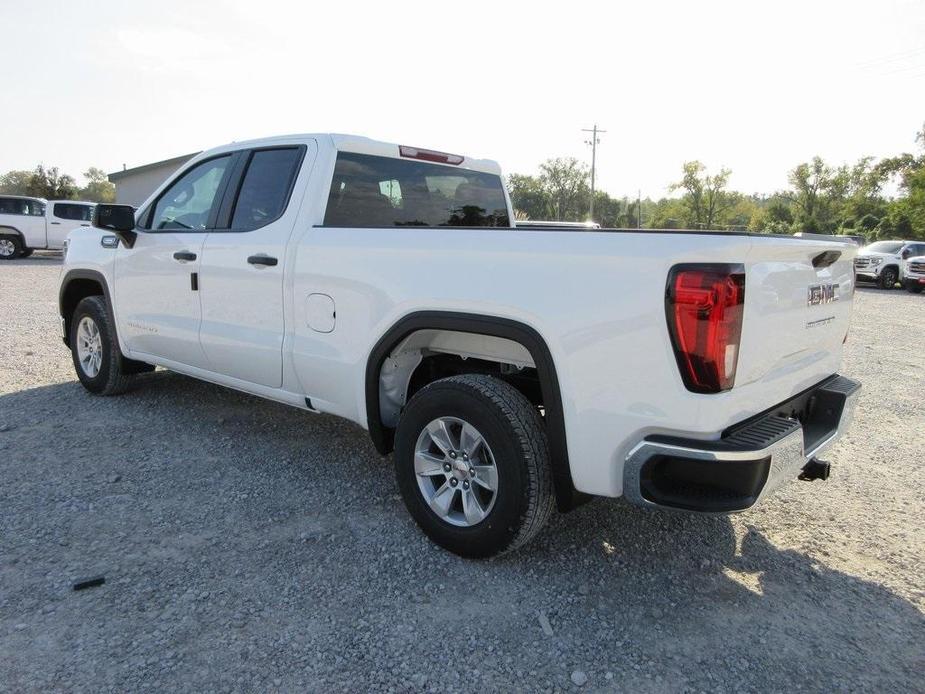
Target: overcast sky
x,y
754,87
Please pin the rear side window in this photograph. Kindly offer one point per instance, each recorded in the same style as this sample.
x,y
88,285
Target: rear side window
x,y
266,187
23,206
370,191
79,213
188,202
12,206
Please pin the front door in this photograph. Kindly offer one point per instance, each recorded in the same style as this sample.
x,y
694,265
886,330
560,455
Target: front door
x,y
241,277
156,294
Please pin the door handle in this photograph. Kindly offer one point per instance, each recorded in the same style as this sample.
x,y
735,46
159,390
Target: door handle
x,y
262,260
54,222
184,256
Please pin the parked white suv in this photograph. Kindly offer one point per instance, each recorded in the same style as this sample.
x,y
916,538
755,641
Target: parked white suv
x,y
27,224
508,368
914,274
883,261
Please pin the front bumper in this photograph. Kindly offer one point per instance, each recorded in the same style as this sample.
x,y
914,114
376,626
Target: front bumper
x,y
749,462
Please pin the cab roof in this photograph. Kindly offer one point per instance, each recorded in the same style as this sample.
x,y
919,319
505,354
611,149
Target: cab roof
x,y
352,143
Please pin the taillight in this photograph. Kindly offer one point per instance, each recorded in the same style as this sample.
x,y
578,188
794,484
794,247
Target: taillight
x,y
704,304
430,155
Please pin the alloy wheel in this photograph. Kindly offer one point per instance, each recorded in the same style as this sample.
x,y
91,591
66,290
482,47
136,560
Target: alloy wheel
x,y
456,471
89,347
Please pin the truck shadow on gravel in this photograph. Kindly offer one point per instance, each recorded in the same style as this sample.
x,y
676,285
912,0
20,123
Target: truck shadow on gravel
x,y
206,503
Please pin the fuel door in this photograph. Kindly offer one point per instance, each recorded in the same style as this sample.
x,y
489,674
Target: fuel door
x,y
320,313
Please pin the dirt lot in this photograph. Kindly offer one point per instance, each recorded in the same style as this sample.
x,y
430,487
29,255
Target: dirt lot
x,y
251,547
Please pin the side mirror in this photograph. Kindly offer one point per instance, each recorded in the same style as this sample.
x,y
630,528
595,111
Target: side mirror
x,y
117,218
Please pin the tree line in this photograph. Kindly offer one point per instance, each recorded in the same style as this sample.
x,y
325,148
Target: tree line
x,y
51,184
820,198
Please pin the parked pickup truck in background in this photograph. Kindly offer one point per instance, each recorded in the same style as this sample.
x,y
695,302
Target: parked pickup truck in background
x,y
510,369
27,224
914,273
883,262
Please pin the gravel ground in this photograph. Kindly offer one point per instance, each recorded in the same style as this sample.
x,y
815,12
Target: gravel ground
x,y
252,547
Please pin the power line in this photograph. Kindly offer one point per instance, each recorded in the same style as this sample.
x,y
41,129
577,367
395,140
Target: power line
x,y
594,141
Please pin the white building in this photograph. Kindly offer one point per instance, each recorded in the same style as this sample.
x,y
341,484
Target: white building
x,y
133,186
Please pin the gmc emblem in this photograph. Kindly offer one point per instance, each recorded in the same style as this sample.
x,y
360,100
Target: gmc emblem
x,y
821,294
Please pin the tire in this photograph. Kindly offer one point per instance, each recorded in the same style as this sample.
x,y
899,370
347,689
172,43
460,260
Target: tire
x,y
98,361
10,246
914,287
888,277
505,434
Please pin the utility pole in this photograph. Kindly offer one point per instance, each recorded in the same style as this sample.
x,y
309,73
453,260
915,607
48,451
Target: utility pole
x,y
639,209
594,142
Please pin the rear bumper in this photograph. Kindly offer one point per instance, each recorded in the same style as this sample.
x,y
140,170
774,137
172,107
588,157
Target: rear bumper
x,y
749,462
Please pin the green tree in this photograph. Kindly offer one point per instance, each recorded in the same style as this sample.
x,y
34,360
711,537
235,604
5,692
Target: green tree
x,y
905,217
705,196
528,196
667,213
16,182
51,184
98,188
566,182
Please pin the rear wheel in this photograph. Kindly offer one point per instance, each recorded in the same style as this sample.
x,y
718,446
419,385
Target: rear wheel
x,y
95,350
472,463
10,246
888,278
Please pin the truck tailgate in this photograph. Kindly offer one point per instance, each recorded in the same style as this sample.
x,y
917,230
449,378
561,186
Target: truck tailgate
x,y
798,300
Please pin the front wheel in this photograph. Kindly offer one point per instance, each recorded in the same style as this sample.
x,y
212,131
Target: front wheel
x,y
914,287
10,247
97,359
888,278
472,464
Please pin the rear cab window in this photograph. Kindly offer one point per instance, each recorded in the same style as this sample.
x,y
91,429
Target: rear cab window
x,y
373,191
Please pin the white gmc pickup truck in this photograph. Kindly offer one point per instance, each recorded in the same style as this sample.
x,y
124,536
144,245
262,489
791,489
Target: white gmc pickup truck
x,y
27,224
510,369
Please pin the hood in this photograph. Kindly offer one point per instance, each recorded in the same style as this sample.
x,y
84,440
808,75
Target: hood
x,y
875,254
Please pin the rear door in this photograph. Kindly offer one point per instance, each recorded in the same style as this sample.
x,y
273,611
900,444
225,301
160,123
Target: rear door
x,y
64,217
156,297
243,261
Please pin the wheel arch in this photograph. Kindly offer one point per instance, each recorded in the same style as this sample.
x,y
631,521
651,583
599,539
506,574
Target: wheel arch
x,y
5,229
383,435
77,285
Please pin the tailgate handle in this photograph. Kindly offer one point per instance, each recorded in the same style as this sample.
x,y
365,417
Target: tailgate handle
x,y
825,259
